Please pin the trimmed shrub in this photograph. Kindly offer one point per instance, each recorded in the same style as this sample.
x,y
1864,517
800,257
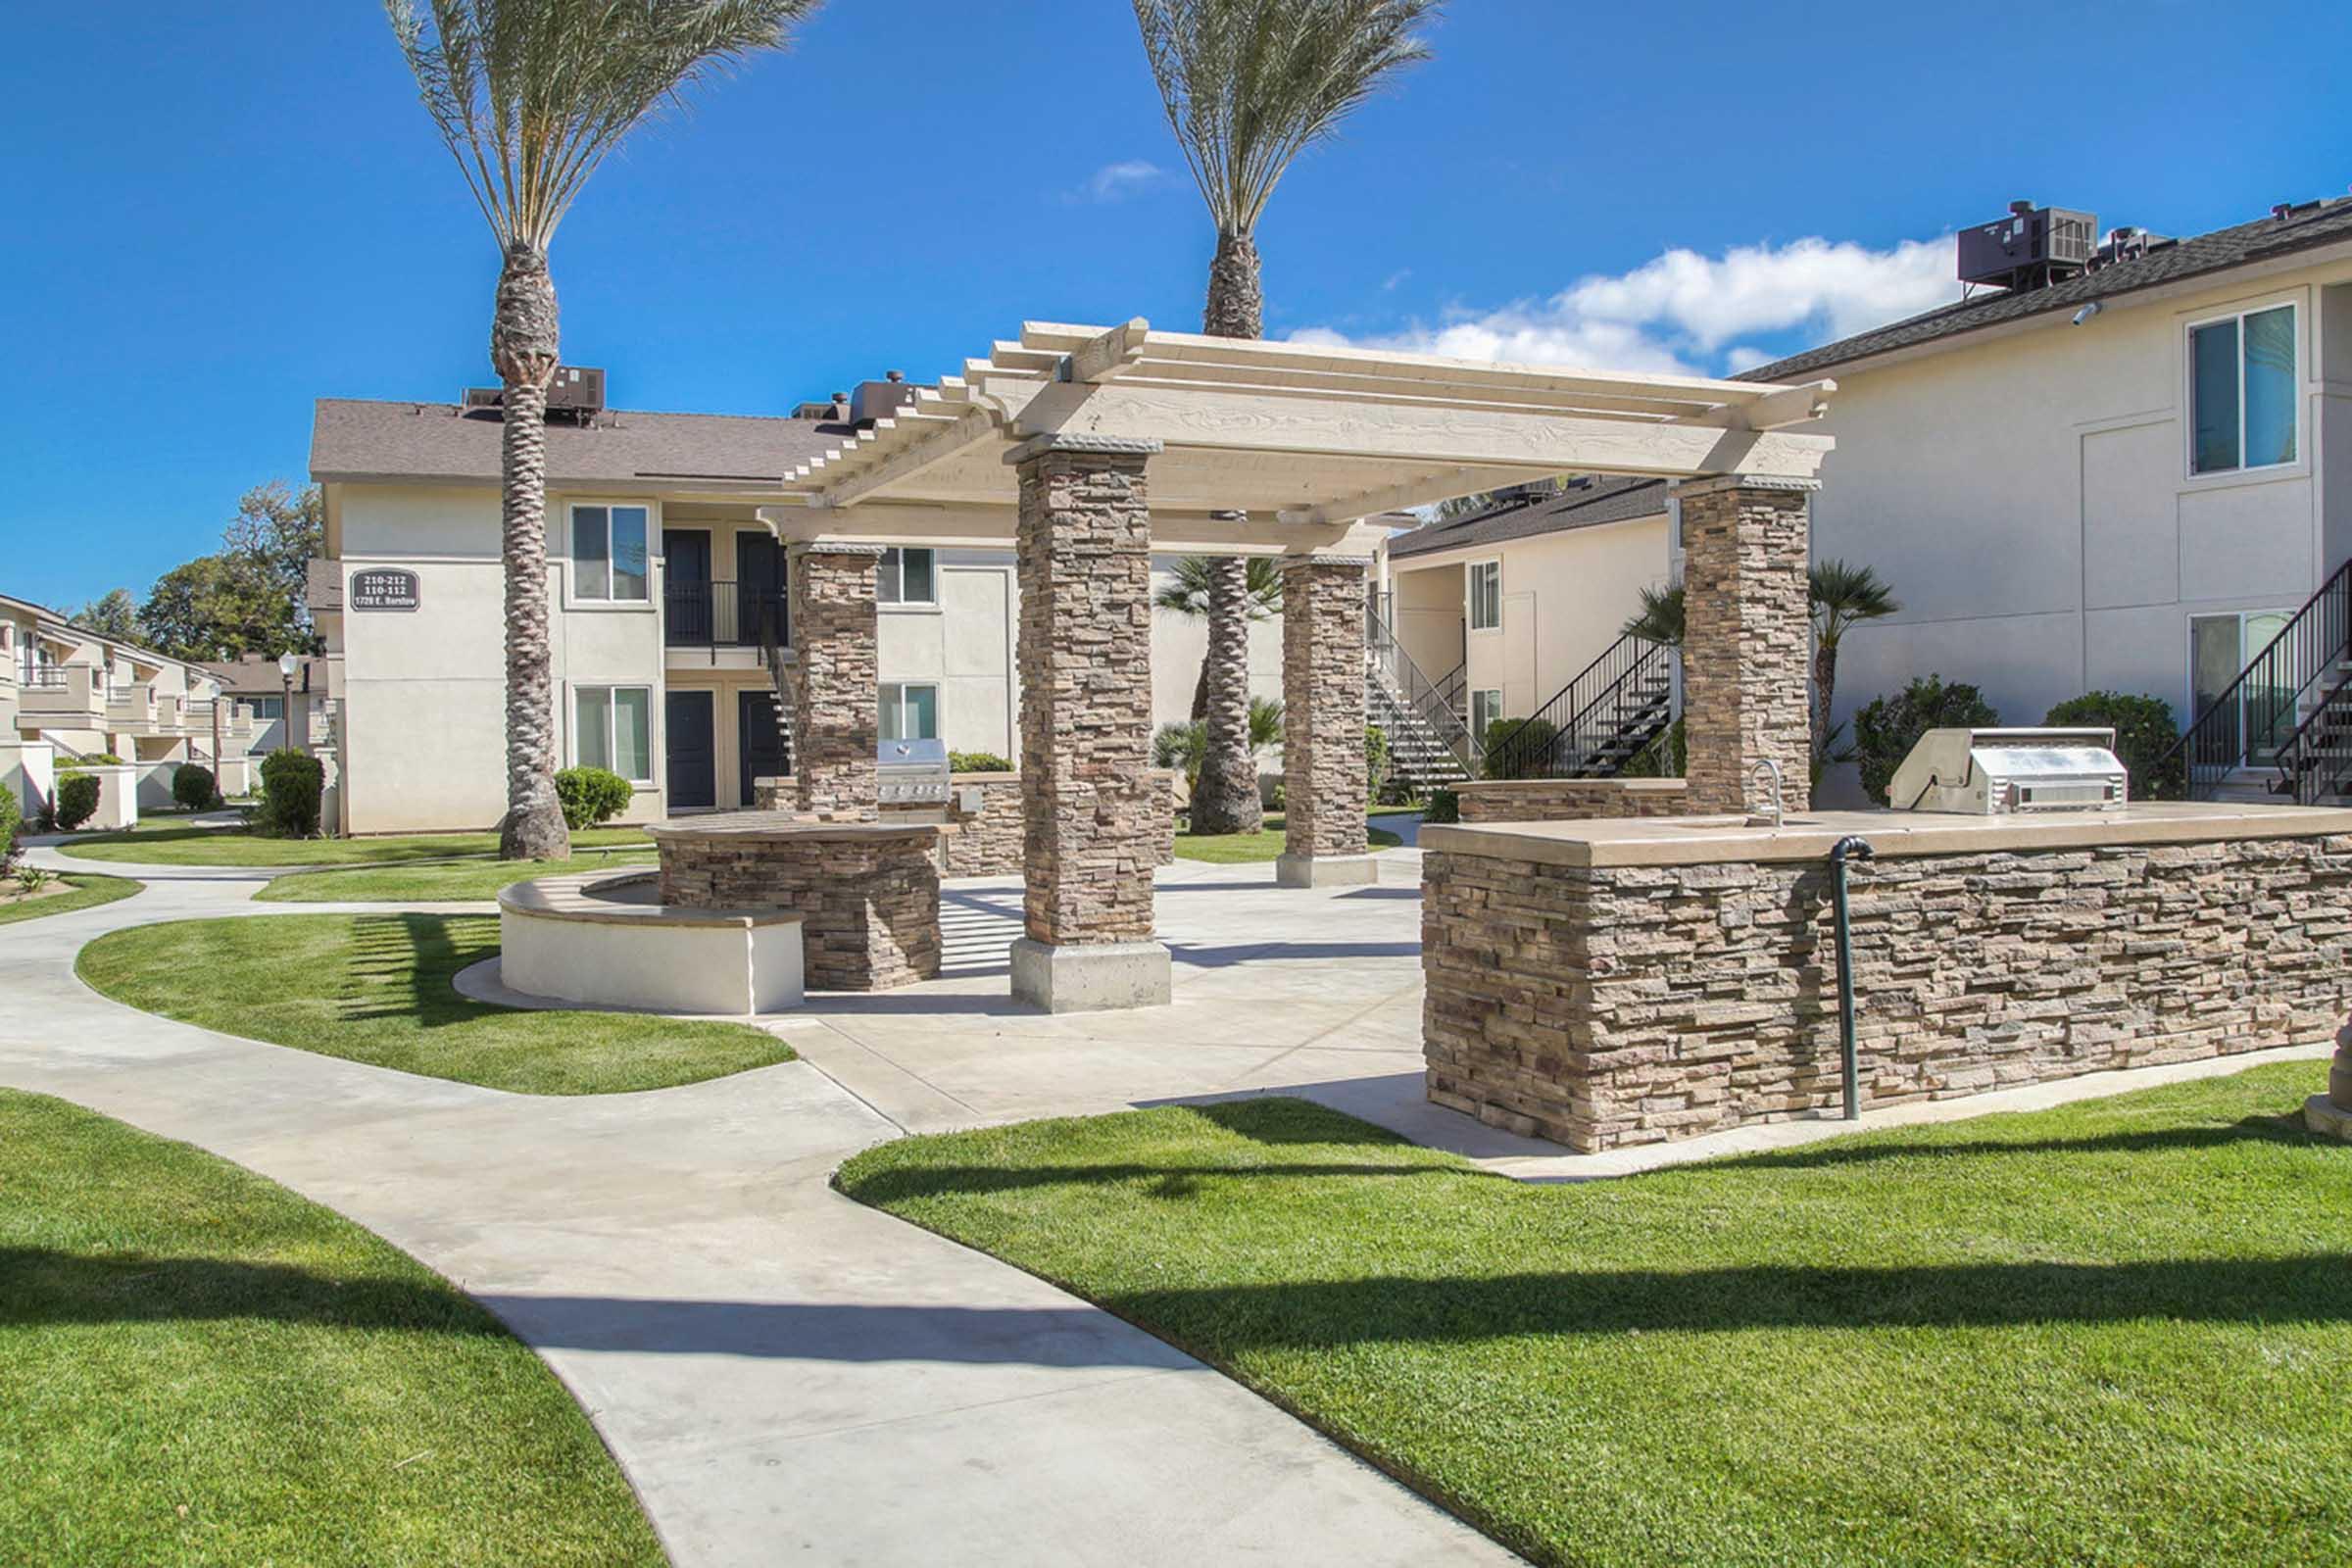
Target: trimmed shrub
x,y
2145,730
1376,760
978,763
1518,748
12,819
293,782
99,759
194,787
1443,806
76,800
591,795
1886,730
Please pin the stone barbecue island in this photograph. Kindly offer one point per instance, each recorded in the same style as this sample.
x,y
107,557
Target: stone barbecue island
x,y
1630,981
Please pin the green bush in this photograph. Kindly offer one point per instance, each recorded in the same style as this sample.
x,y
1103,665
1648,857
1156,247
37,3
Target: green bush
x,y
1181,747
1376,760
1886,730
76,800
12,819
978,763
99,759
292,782
2145,730
194,787
591,795
1443,806
1518,748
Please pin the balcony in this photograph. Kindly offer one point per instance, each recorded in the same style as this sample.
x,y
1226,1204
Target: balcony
x,y
130,708
63,697
716,616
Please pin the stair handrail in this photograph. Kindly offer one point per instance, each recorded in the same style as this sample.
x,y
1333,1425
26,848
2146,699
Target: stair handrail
x,y
2311,643
1421,696
1602,681
2296,772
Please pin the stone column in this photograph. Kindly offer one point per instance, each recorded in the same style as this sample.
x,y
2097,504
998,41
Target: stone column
x,y
836,713
1090,807
1323,778
1747,621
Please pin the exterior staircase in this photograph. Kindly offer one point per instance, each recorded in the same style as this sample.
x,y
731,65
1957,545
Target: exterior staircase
x,y
1600,721
2284,727
1429,736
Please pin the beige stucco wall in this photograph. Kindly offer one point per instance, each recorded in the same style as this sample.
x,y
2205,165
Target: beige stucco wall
x,y
2029,500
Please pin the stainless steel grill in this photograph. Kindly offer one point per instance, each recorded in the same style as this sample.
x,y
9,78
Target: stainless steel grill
x,y
913,772
1994,772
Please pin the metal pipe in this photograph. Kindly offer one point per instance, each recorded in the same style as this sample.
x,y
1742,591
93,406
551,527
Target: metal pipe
x,y
1851,847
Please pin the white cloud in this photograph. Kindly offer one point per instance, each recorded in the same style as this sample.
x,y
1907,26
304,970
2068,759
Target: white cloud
x,y
1396,277
1678,312
1116,182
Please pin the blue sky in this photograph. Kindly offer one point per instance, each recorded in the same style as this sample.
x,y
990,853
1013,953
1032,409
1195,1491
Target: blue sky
x,y
219,213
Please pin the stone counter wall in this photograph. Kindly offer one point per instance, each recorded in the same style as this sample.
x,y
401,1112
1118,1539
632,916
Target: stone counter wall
x,y
868,906
982,843
1604,1007
1571,799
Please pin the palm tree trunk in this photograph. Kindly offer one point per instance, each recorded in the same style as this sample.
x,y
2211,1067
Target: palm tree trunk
x,y
523,348
1225,800
1825,687
1201,691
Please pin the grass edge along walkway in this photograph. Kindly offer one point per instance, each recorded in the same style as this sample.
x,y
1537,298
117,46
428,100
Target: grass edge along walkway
x,y
240,846
90,890
200,1366
2106,1332
377,989
468,880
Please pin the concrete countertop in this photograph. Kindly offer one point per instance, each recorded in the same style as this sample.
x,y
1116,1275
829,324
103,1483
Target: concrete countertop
x,y
780,825
1808,835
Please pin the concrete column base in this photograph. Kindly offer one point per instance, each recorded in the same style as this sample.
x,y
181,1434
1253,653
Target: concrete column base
x,y
2324,1116
1326,870
1091,977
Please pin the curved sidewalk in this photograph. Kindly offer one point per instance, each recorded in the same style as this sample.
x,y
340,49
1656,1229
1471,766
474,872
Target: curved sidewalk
x,y
783,1374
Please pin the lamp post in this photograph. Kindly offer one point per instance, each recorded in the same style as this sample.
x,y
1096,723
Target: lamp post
x,y
285,675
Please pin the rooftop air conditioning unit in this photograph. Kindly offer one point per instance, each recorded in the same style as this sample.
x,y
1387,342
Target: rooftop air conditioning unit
x,y
2032,247
577,388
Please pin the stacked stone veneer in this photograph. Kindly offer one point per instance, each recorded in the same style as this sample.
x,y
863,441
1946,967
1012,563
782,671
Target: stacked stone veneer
x,y
1323,780
836,718
1571,799
1747,619
1092,805
867,896
1603,1008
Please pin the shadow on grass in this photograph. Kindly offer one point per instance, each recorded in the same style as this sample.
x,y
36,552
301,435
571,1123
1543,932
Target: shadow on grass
x,y
41,1284
2251,1129
408,963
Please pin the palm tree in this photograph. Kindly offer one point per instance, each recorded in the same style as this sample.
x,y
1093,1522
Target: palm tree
x,y
1249,85
1661,618
530,96
1187,593
1843,595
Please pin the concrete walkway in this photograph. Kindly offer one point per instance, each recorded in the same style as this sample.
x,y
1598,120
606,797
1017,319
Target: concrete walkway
x,y
783,1374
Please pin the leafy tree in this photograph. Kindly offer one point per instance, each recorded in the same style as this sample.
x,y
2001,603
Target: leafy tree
x,y
1248,86
1187,593
278,531
1886,730
114,613
219,607
1843,595
530,96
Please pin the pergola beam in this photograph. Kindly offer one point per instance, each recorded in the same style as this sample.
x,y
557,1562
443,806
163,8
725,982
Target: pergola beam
x,y
1792,405
992,528
1427,490
934,447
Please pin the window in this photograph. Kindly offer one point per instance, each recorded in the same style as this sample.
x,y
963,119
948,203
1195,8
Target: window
x,y
910,713
1486,594
2242,391
613,728
1485,708
608,554
907,577
270,709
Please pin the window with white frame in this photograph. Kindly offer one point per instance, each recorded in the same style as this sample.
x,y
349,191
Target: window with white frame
x,y
1486,707
2243,402
1486,594
608,554
910,711
271,709
612,728
907,577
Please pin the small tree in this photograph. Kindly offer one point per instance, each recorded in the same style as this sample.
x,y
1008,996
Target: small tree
x,y
194,787
1843,595
293,784
76,800
1886,730
1661,618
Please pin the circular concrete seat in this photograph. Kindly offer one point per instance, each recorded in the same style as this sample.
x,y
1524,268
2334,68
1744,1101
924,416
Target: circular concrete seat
x,y
604,938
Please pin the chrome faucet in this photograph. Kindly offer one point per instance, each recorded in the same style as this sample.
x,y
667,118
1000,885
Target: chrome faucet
x,y
1770,766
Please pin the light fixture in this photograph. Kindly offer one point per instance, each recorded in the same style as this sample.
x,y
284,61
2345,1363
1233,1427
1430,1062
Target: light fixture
x,y
2086,312
287,665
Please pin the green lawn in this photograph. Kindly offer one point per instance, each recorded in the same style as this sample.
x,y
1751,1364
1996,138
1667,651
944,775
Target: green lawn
x,y
438,882
376,988
2112,1333
1239,849
90,891
200,845
199,1367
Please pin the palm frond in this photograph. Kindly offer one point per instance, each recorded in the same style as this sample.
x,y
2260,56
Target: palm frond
x,y
1843,593
1187,589
1248,84
1661,618
531,95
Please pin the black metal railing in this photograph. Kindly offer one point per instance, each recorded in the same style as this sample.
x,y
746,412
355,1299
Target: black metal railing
x,y
2263,711
2315,763
1597,723
720,615
1437,704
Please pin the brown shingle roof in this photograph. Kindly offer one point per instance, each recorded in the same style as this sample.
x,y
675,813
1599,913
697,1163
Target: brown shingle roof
x,y
2303,229
357,439
1590,504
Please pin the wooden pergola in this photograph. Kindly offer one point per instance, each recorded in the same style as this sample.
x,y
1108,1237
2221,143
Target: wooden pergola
x,y
1086,450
